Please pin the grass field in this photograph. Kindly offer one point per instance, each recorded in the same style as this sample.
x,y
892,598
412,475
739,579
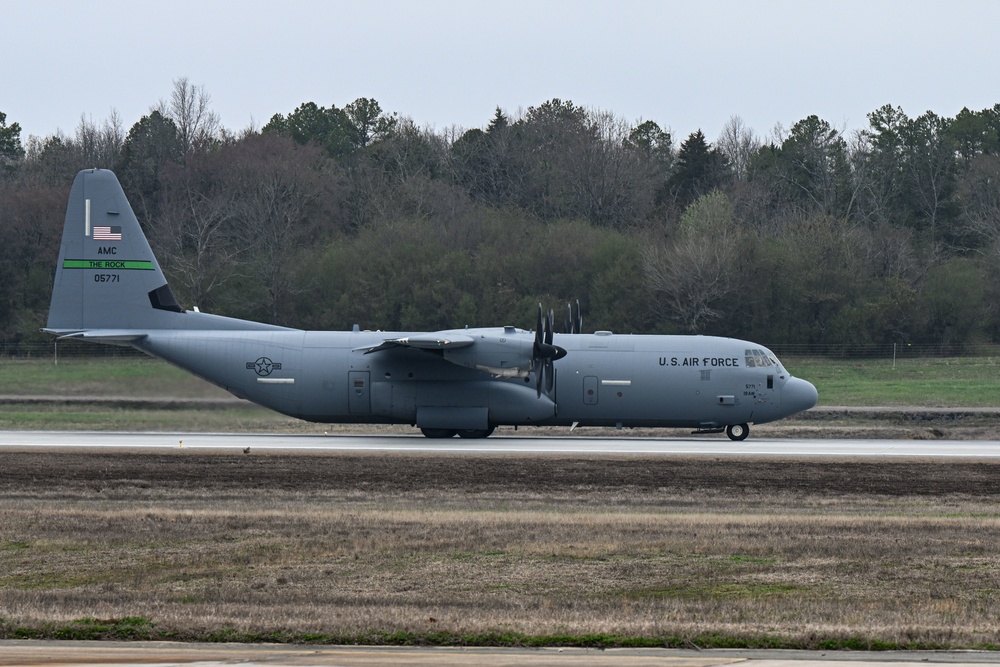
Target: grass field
x,y
927,382
509,550
101,377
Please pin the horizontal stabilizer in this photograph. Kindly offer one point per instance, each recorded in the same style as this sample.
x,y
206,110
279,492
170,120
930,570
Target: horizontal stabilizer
x,y
99,335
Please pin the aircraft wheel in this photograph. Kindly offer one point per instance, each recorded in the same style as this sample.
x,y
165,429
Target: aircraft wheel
x,y
737,431
438,432
475,432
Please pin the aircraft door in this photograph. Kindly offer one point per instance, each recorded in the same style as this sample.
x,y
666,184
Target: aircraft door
x,y
590,390
359,397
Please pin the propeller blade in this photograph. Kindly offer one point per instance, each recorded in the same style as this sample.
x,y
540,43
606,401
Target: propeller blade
x,y
538,327
549,327
536,353
574,319
550,376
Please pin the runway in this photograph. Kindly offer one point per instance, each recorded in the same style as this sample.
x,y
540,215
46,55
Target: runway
x,y
95,654
708,446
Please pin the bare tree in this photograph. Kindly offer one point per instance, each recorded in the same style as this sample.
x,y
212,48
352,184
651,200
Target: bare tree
x,y
282,193
931,165
979,195
55,158
234,220
101,145
692,274
400,176
189,108
201,249
612,183
739,143
871,190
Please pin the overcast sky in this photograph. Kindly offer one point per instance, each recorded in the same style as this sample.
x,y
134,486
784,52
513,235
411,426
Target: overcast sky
x,y
444,63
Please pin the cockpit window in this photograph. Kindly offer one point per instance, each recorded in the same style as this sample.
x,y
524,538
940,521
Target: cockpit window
x,y
758,359
777,365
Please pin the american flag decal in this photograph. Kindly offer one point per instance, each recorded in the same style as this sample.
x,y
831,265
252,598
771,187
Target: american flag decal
x,y
107,233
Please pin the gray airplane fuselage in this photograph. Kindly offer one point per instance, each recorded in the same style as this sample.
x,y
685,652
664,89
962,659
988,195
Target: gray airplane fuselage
x,y
604,379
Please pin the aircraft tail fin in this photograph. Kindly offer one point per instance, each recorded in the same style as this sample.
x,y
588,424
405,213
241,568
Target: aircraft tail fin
x,y
107,276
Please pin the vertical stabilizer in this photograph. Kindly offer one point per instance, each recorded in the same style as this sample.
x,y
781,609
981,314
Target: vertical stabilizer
x,y
107,276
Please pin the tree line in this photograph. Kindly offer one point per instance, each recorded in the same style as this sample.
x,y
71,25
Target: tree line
x,y
326,217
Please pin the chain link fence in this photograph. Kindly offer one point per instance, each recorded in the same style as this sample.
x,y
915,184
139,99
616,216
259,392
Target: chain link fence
x,y
69,349
885,350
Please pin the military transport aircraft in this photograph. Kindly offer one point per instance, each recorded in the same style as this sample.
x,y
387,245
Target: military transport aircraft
x,y
109,289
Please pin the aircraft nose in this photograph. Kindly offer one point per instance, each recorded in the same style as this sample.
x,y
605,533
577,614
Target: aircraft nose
x,y
798,395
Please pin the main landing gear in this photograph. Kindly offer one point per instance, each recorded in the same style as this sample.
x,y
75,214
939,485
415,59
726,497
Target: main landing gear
x,y
462,433
737,431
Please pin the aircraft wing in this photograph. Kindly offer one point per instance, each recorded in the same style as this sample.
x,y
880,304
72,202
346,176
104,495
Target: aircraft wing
x,y
503,353
425,341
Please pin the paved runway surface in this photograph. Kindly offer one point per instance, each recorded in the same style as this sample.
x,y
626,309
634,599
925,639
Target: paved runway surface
x,y
507,444
24,653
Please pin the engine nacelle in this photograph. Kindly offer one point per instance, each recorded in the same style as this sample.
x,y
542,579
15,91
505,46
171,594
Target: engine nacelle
x,y
502,353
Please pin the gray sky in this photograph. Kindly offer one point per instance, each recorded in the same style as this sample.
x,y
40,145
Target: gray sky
x,y
685,65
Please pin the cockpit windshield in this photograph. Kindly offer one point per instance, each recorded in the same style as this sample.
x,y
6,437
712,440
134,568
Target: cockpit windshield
x,y
762,359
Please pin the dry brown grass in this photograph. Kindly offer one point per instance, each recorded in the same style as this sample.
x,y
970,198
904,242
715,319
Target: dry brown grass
x,y
343,544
